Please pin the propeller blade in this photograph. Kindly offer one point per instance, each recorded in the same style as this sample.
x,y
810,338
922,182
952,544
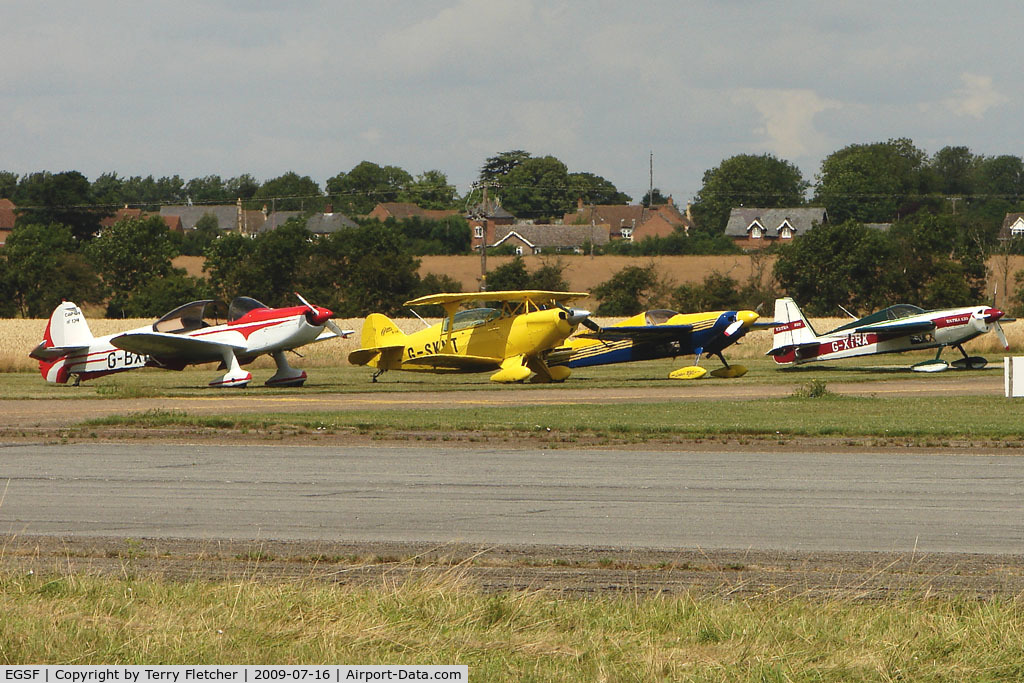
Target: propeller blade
x,y
316,316
1001,335
305,303
733,328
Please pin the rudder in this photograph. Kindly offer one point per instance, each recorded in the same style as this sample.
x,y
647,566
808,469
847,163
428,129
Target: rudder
x,y
380,330
791,327
66,331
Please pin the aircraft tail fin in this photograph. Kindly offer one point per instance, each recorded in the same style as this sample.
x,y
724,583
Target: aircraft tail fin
x,y
66,332
791,327
380,330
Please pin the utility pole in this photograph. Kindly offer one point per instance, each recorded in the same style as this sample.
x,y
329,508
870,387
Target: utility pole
x,y
483,243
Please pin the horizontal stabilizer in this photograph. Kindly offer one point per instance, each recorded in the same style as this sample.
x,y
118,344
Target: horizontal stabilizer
x,y
364,356
798,348
48,353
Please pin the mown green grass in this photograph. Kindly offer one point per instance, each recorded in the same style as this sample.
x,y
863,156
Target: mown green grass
x,y
948,417
524,636
193,381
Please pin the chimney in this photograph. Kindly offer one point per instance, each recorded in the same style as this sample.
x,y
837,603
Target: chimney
x,y
689,213
579,204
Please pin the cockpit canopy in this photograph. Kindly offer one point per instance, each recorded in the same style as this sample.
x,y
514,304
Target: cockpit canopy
x,y
206,313
471,318
242,305
660,316
892,313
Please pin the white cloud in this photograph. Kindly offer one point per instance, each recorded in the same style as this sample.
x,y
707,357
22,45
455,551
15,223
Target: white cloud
x,y
976,97
468,33
787,119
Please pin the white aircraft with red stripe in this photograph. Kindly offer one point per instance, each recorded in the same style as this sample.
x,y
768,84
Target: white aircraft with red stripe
x,y
199,332
899,328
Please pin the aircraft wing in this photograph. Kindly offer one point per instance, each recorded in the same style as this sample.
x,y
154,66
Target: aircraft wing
x,y
451,361
530,294
172,346
915,327
641,333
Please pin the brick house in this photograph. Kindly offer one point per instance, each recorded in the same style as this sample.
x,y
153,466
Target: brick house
x,y
229,216
404,210
172,222
484,221
754,228
528,238
632,222
1013,226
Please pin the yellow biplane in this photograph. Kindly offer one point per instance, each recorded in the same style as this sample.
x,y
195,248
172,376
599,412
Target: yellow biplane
x,y
508,339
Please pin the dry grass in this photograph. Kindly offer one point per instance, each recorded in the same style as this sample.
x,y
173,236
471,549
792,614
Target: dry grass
x,y
532,635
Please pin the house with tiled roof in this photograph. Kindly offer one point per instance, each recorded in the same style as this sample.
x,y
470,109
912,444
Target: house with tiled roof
x,y
484,219
528,238
1013,226
633,222
7,218
229,216
401,211
756,228
318,223
172,222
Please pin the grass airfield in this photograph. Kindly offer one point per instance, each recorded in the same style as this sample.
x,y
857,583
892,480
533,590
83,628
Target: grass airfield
x,y
67,614
632,402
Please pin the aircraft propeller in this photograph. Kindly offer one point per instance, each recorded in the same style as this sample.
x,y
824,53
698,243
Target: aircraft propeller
x,y
1001,335
320,316
579,316
991,316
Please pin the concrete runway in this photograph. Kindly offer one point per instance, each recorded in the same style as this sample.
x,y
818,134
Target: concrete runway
x,y
791,501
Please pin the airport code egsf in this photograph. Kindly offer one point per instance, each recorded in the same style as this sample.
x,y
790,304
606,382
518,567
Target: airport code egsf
x,y
238,674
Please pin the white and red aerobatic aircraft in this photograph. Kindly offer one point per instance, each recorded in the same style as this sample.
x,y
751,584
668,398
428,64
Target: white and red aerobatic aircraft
x,y
898,328
205,331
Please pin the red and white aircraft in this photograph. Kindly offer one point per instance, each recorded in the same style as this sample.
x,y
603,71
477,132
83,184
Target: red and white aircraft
x,y
198,332
898,328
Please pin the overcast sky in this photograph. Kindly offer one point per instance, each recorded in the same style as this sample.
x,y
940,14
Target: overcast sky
x,y
260,87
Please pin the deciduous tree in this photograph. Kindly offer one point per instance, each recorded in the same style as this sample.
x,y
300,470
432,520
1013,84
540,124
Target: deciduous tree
x,y
746,180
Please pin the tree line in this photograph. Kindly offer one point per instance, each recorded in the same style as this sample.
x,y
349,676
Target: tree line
x,y
945,209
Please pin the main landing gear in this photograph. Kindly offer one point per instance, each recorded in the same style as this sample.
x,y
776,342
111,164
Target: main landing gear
x,y
938,365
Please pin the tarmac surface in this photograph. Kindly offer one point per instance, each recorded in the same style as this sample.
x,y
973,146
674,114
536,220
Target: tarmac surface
x,y
813,518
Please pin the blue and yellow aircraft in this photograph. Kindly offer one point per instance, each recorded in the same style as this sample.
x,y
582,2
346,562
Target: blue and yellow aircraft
x,y
509,338
659,334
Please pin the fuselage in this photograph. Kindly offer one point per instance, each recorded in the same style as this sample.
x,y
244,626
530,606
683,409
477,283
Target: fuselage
x,y
259,331
707,335
952,327
485,333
